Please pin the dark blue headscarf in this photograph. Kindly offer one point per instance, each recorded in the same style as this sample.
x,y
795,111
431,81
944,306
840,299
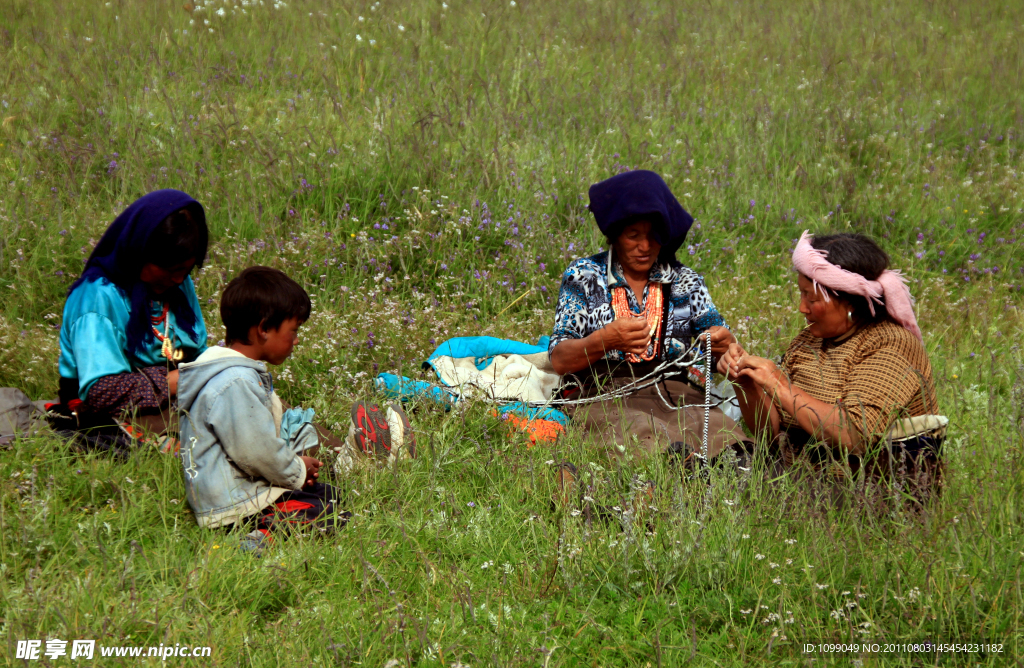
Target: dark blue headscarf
x,y
120,256
630,196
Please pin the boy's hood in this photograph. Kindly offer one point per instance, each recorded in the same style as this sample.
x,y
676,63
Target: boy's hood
x,y
194,376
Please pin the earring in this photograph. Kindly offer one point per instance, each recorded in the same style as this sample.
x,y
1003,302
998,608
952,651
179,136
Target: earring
x,y
849,316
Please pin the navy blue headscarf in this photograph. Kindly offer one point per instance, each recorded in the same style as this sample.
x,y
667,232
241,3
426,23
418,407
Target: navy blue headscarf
x,y
627,197
121,254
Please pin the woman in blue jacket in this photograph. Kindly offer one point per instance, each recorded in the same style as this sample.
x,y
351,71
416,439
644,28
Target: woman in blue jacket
x,y
130,319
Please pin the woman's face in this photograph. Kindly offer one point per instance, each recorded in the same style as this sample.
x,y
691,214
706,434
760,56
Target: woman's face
x,y
160,279
636,248
825,319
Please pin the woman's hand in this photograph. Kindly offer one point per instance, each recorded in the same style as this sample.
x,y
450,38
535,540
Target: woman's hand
x,y
721,339
762,372
630,335
172,383
728,363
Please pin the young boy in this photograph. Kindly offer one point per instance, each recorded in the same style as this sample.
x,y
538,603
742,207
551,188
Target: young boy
x,y
247,460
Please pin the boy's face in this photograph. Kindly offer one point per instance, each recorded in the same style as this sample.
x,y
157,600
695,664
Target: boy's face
x,y
280,342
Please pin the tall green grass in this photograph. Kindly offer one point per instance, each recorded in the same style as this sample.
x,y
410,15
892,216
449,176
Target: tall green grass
x,y
423,171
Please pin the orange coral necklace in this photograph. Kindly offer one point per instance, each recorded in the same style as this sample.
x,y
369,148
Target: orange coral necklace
x,y
167,345
653,313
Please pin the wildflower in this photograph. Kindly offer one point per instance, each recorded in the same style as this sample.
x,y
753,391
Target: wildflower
x,y
729,503
759,557
401,28
745,612
773,565
359,38
790,541
821,586
745,536
777,581
471,504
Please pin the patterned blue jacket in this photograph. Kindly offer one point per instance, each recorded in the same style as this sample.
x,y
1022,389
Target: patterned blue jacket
x,y
585,302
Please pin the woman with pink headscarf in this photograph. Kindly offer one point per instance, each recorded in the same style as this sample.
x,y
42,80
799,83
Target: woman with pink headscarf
x,y
857,379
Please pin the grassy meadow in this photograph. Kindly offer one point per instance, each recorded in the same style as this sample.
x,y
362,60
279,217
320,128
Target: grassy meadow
x,y
422,168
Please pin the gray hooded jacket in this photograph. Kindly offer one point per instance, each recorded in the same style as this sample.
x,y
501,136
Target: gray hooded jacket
x,y
235,461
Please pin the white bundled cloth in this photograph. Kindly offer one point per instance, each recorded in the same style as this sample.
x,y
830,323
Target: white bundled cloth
x,y
508,377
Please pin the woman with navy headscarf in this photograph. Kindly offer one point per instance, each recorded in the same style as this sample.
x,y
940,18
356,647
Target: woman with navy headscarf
x,y
627,309
130,319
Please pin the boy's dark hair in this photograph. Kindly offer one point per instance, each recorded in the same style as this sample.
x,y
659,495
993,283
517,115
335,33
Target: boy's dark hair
x,y
861,255
261,296
181,236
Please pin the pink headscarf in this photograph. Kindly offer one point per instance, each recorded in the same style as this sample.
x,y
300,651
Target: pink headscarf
x,y
889,290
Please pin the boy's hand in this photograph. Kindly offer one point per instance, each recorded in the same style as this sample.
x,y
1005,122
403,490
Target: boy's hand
x,y
312,469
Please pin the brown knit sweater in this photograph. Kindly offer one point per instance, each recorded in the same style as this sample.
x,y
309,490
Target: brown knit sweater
x,y
877,375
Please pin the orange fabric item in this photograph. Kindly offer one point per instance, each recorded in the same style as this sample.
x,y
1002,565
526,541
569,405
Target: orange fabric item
x,y
652,313
539,431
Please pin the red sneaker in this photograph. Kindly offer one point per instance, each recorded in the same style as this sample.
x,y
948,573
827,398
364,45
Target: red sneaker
x,y
372,432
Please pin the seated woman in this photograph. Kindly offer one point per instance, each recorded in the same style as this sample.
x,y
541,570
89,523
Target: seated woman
x,y
130,319
857,376
625,310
